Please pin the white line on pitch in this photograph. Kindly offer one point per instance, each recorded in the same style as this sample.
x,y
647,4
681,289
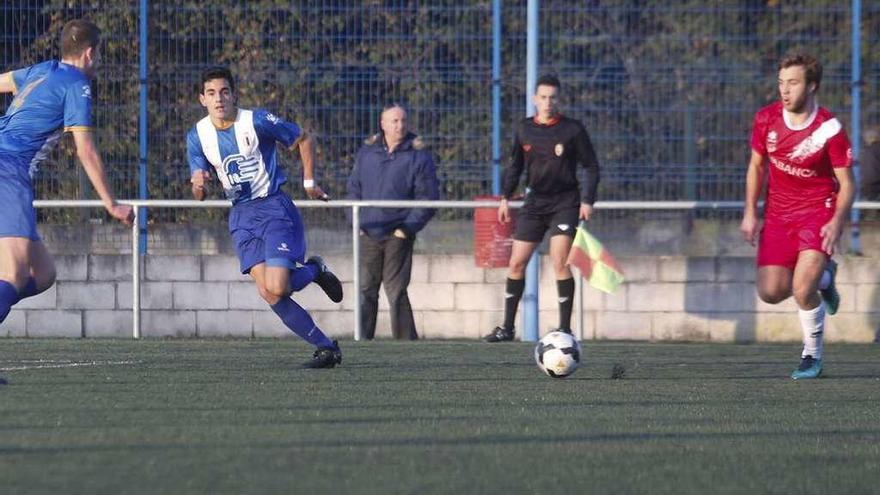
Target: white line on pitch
x,y
66,365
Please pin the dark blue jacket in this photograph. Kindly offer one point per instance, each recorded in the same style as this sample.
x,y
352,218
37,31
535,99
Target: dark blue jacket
x,y
407,173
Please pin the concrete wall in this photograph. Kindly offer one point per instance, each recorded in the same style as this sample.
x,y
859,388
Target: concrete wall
x,y
665,298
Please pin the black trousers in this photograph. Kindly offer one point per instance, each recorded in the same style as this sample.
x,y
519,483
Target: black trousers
x,y
387,262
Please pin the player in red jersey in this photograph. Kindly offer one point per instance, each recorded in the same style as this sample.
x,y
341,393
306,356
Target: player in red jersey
x,y
809,194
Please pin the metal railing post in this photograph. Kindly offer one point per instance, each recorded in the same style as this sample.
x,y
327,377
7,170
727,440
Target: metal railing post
x,y
530,303
136,275
496,97
855,241
355,270
143,119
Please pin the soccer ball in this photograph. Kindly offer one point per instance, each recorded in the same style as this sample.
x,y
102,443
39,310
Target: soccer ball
x,y
558,354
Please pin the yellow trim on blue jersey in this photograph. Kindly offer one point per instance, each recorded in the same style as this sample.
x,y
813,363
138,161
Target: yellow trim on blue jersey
x,y
20,97
76,128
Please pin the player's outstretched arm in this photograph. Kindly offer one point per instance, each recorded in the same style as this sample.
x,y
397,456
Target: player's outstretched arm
x,y
94,167
754,181
306,145
7,85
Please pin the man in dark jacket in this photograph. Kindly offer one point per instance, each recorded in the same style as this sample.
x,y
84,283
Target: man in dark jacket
x,y
392,165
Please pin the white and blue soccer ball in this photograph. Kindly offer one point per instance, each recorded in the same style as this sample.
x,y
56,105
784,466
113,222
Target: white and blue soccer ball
x,y
558,354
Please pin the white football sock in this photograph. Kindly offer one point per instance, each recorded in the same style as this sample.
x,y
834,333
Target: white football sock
x,y
813,327
825,281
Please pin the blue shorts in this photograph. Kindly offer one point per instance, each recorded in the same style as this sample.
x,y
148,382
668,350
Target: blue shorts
x,y
19,219
268,230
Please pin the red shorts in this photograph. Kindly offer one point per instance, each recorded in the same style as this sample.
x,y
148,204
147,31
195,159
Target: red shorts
x,y
782,240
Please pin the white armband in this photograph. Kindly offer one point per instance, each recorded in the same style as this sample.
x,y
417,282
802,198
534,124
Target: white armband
x,y
308,183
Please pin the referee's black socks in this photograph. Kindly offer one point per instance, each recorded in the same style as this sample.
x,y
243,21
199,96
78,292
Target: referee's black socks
x,y
512,294
566,300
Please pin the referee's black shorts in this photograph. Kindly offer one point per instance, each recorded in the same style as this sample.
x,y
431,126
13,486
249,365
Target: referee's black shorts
x,y
532,226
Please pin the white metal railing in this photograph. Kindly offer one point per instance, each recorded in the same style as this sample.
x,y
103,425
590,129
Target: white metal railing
x,y
355,209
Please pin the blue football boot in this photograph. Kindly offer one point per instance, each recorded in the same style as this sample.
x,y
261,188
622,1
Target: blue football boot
x,y
809,368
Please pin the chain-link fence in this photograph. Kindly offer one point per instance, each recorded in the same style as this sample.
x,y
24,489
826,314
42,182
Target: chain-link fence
x,y
666,89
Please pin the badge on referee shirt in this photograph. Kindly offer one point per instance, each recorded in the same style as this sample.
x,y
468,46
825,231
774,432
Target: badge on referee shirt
x,y
559,149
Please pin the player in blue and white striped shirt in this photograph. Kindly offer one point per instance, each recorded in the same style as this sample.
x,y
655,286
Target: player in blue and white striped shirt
x,y
240,147
50,97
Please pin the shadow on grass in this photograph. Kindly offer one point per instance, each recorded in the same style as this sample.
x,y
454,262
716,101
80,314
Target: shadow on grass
x,y
389,420
424,442
488,405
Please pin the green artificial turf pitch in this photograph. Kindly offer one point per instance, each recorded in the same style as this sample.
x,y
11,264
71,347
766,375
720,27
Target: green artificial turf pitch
x,y
97,416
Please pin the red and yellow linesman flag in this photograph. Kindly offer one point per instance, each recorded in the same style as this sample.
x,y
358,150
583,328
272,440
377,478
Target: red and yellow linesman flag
x,y
594,261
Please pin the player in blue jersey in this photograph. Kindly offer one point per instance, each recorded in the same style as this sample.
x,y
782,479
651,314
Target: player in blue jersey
x,y
240,146
50,98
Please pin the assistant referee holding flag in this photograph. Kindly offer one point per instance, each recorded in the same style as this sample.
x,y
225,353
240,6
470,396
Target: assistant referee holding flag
x,y
549,147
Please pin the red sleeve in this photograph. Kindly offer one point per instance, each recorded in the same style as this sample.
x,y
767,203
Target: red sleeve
x,y
839,150
759,134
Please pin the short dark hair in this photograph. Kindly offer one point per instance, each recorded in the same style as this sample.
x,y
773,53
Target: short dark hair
x,y
217,73
393,104
77,35
811,65
548,80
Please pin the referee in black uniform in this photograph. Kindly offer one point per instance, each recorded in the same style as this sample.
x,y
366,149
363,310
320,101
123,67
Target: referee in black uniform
x,y
549,148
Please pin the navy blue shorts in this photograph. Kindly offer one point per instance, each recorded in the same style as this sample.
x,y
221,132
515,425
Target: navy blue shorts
x,y
19,219
268,230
